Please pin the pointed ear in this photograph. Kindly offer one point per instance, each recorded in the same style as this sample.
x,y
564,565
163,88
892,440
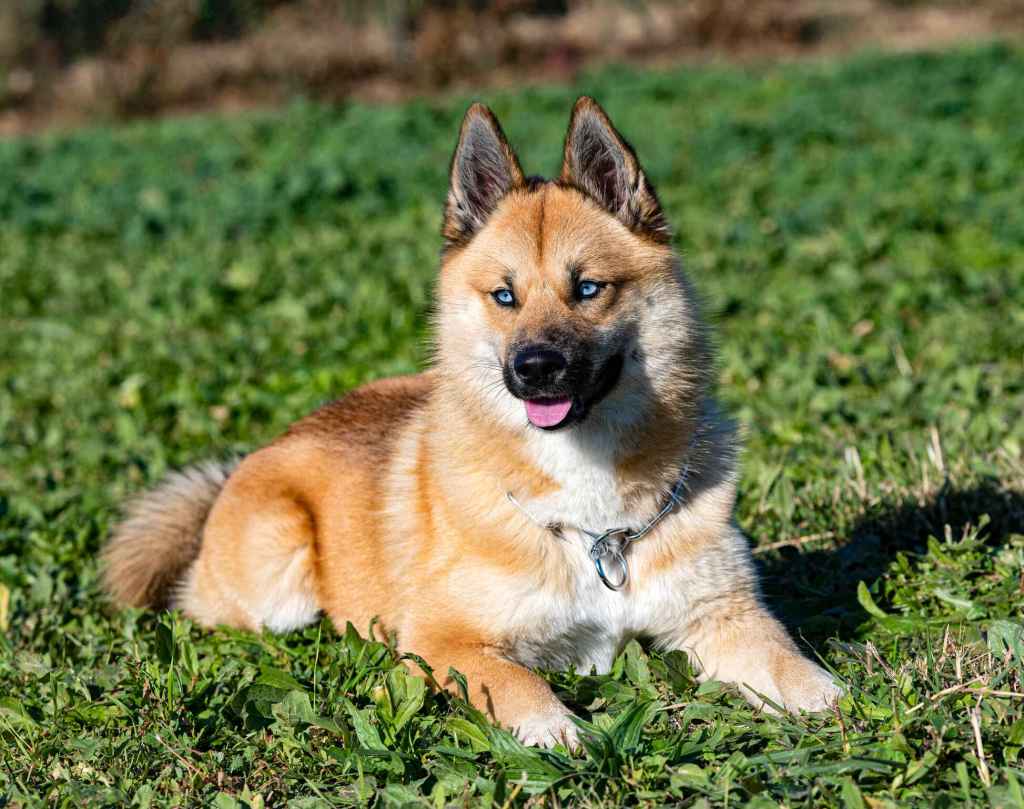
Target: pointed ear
x,y
600,162
484,169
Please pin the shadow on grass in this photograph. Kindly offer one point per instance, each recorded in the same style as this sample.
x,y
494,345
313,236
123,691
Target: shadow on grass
x,y
815,592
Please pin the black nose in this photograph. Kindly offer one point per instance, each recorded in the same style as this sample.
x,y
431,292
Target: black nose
x,y
538,366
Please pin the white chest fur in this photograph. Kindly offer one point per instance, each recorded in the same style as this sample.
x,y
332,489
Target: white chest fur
x,y
584,469
583,624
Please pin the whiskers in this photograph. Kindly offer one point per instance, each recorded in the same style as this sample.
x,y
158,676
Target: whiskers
x,y
490,377
488,364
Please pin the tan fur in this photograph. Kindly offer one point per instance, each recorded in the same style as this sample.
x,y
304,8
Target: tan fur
x,y
392,504
159,537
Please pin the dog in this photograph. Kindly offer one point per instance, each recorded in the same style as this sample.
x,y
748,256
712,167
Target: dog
x,y
559,482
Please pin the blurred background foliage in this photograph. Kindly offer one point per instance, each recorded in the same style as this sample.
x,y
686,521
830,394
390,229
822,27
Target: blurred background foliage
x,y
64,61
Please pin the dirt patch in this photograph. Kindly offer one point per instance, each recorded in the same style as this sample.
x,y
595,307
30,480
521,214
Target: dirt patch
x,y
147,65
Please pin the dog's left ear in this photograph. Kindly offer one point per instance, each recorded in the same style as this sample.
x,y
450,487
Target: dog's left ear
x,y
484,169
599,161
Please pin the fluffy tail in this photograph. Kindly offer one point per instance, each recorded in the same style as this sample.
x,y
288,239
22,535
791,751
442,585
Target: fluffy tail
x,y
159,537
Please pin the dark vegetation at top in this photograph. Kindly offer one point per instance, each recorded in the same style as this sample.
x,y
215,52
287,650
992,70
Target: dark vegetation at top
x,y
63,62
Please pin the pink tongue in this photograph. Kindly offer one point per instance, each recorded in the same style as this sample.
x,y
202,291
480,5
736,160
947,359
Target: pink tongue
x,y
548,412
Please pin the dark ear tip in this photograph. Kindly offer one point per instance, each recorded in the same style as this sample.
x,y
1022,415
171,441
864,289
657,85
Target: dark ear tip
x,y
585,105
478,110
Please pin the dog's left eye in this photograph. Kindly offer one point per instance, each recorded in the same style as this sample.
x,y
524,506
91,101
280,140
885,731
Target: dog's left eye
x,y
587,289
504,297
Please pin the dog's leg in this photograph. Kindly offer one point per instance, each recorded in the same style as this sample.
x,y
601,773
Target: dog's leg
x,y
735,640
255,567
510,694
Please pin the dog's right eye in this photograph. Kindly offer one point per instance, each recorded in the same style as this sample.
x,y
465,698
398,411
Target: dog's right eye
x,y
504,297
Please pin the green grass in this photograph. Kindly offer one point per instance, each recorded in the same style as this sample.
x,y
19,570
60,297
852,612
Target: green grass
x,y
181,290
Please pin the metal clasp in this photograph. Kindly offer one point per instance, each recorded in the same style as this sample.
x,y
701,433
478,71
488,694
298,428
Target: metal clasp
x,y
605,545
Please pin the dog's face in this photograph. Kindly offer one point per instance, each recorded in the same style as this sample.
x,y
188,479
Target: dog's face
x,y
559,300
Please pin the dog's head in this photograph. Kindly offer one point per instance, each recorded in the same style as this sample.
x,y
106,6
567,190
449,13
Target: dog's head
x,y
561,303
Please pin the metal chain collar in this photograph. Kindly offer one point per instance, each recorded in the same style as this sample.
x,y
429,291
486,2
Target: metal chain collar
x,y
612,543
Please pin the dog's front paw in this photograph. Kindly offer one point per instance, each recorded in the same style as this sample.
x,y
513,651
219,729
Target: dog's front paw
x,y
809,688
548,729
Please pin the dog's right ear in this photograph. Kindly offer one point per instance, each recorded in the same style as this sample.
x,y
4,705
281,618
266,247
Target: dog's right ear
x,y
599,161
484,169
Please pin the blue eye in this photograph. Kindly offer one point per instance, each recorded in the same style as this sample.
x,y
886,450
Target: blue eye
x,y
587,289
504,297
